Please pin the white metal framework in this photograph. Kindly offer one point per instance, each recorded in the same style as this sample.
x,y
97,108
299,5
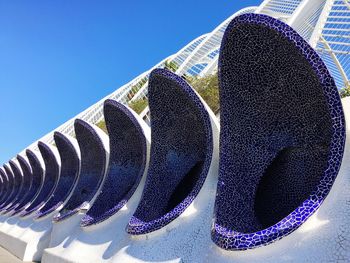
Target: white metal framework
x,y
324,23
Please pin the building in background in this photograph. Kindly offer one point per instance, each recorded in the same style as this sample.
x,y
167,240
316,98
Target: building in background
x,y
325,24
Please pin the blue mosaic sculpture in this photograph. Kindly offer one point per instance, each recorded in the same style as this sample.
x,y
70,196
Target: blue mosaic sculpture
x,y
37,177
5,189
2,184
70,167
12,190
52,171
19,186
27,181
93,163
181,152
127,160
282,133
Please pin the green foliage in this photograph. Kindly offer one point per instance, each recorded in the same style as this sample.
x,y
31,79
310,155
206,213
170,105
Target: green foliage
x,y
138,105
345,92
102,125
135,88
208,88
171,65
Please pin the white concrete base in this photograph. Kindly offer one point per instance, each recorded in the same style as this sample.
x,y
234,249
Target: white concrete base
x,y
325,237
93,243
26,238
89,244
63,229
184,238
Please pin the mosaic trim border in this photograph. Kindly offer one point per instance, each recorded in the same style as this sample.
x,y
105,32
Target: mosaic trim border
x,y
137,226
232,240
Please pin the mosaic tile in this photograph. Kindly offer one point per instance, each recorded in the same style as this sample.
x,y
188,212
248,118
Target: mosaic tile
x,y
52,170
37,176
127,160
5,186
27,181
12,189
282,133
20,186
93,162
181,152
70,165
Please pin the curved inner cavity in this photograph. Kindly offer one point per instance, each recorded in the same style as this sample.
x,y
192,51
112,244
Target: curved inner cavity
x,y
5,187
275,129
126,162
180,151
50,179
36,178
70,163
93,161
27,180
19,185
12,189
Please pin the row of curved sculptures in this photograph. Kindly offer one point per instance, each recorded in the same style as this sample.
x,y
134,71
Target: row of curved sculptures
x,y
282,137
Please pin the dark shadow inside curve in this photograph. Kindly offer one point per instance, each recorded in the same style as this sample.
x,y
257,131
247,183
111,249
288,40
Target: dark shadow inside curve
x,y
284,183
27,180
12,190
21,185
276,130
93,162
181,152
187,183
2,185
37,174
50,179
5,186
127,161
70,164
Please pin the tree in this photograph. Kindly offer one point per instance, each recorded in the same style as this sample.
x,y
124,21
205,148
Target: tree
x,y
138,105
345,92
171,65
102,125
208,89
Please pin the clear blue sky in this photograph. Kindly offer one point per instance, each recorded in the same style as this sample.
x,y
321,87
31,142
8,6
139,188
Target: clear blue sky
x,y
59,57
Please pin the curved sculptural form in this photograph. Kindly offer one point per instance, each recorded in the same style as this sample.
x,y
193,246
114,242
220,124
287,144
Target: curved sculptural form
x,y
19,185
12,190
93,165
282,133
181,152
70,168
37,177
5,188
27,181
127,160
2,184
52,170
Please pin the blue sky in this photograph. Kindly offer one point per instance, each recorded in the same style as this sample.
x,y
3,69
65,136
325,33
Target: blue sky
x,y
59,57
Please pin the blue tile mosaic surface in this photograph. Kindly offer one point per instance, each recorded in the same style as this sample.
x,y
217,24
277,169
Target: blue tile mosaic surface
x,y
19,184
37,176
2,184
12,190
70,164
93,162
127,160
50,179
5,186
27,181
282,133
181,152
